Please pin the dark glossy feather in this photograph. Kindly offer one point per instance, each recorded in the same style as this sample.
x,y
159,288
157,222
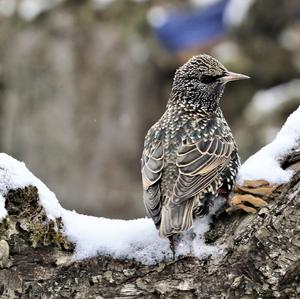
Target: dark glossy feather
x,y
190,152
152,165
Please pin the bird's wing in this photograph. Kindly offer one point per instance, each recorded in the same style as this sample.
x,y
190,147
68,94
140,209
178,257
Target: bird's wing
x,y
199,164
152,165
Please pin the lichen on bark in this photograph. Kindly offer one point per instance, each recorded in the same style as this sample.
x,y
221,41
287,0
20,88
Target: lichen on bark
x,y
27,224
261,257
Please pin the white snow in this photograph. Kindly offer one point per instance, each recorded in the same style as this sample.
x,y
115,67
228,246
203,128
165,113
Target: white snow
x,y
138,239
3,212
274,97
14,174
267,102
265,164
130,239
125,239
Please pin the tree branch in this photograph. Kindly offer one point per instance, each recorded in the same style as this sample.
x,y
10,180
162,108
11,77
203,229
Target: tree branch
x,y
261,256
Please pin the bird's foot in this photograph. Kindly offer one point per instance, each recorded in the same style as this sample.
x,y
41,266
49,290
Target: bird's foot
x,y
253,192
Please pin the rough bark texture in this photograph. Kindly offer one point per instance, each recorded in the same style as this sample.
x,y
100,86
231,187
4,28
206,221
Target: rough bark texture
x,y
261,259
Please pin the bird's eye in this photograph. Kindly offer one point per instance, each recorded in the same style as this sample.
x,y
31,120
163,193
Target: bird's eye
x,y
206,79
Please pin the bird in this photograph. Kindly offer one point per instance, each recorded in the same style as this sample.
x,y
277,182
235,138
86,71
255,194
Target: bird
x,y
189,155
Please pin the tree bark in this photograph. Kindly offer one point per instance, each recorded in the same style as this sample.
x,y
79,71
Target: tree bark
x,y
261,257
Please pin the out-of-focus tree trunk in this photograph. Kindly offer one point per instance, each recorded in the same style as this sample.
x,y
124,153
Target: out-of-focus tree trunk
x,y
77,101
261,259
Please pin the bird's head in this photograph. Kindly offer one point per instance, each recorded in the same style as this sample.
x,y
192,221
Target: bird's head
x,y
200,82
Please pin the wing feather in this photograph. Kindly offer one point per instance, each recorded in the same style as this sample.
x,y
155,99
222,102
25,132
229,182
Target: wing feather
x,y
200,165
152,165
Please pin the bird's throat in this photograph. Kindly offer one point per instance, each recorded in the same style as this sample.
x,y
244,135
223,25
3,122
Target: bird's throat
x,y
195,101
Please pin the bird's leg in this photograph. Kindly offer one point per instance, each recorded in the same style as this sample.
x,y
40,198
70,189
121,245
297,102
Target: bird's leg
x,y
257,189
173,245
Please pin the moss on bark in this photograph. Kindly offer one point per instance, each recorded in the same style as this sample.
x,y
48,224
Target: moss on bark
x,y
261,260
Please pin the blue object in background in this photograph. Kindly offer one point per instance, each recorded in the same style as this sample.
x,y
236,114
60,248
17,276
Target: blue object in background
x,y
183,30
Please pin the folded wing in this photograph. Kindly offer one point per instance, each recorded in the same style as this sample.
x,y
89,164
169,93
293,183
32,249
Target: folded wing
x,y
199,164
152,165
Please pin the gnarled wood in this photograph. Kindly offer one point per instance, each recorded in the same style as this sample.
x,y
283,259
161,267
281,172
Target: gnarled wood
x,y
261,259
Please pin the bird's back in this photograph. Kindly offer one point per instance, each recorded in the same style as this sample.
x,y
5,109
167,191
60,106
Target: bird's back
x,y
190,152
169,134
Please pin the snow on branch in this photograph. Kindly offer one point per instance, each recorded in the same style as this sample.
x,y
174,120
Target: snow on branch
x,y
266,163
138,239
122,239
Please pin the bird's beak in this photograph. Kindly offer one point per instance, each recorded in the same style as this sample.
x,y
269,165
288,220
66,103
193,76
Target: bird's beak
x,y
230,76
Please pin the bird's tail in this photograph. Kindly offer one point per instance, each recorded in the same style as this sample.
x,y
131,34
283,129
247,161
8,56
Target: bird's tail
x,y
176,218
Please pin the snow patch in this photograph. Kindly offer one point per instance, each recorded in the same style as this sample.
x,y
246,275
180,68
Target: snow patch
x,y
268,101
3,211
265,164
124,239
276,96
14,174
138,239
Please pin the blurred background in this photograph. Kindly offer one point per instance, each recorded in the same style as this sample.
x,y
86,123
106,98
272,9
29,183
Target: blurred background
x,y
81,82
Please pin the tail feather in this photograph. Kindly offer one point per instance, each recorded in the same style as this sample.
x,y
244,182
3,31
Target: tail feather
x,y
176,218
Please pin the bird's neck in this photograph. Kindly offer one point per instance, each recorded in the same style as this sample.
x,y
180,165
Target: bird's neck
x,y
194,102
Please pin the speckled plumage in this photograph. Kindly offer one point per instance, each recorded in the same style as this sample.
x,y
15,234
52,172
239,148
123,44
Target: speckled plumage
x,y
189,154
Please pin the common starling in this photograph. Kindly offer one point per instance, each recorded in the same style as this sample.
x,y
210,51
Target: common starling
x,y
189,155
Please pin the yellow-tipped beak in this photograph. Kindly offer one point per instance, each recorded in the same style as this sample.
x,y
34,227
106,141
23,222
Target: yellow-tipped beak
x,y
230,76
